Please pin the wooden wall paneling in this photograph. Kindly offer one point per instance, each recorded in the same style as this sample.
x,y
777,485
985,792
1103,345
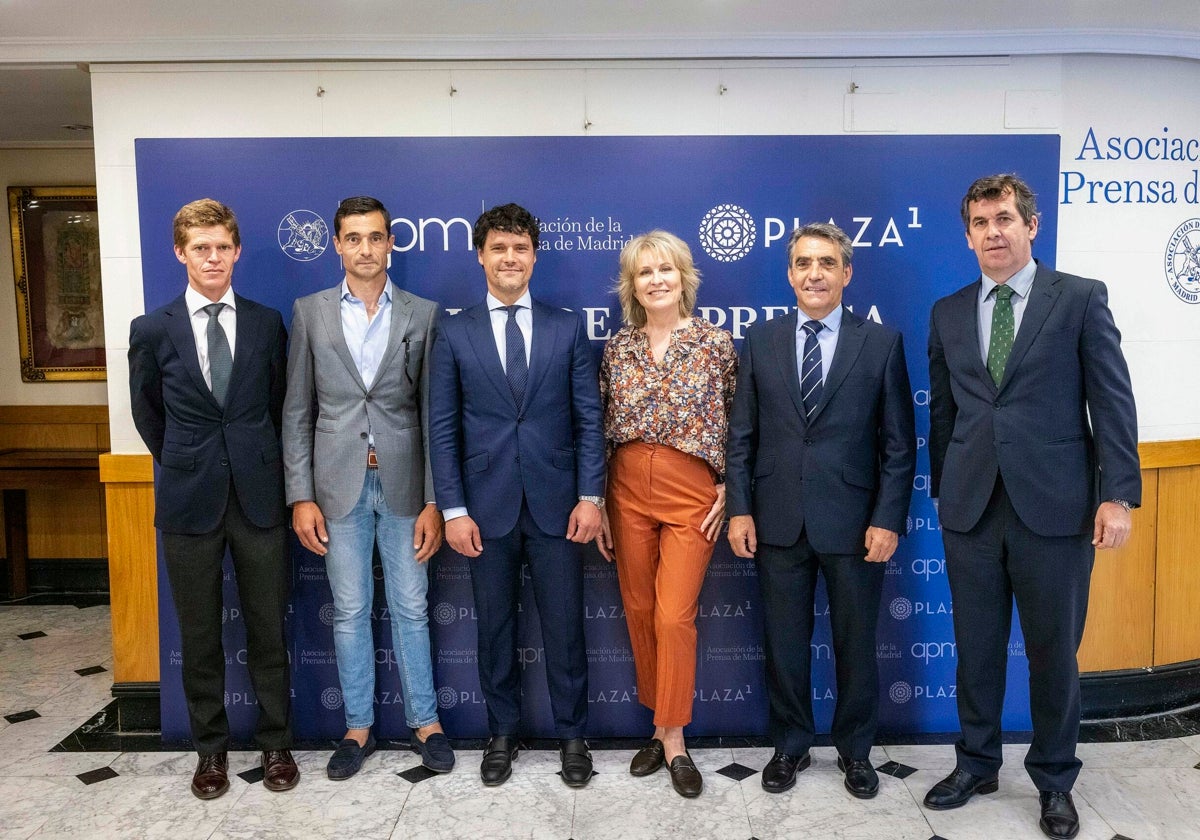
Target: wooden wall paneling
x,y
132,565
1177,628
1121,610
67,523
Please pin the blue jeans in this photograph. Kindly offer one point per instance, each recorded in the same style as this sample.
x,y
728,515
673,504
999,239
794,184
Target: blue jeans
x,y
406,582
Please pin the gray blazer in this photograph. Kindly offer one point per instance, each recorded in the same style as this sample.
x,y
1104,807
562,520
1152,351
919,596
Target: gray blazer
x,y
328,408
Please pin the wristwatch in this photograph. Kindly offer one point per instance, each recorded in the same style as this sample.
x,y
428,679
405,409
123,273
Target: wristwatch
x,y
598,501
1123,503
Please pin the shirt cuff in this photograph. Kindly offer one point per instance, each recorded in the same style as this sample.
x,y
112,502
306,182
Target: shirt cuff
x,y
454,513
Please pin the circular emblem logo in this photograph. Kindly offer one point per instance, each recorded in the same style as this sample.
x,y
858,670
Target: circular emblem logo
x,y
326,615
1182,264
900,608
303,235
447,697
444,613
900,693
727,233
224,614
331,698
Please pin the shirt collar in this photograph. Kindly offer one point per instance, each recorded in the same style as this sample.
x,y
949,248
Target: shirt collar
x,y
831,322
384,297
1020,283
525,300
196,301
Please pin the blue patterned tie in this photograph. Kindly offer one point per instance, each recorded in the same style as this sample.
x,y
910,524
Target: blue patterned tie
x,y
516,369
1003,333
810,368
220,360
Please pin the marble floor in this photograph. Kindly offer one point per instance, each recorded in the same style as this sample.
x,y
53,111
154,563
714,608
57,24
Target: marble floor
x,y
55,675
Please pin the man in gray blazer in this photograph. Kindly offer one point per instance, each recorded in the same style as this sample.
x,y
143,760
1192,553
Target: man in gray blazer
x,y
354,441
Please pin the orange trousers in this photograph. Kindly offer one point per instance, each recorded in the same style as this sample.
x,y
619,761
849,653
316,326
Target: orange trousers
x,y
657,497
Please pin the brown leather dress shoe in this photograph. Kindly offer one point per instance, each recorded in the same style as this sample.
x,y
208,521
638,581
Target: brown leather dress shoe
x,y
279,770
685,778
211,778
649,759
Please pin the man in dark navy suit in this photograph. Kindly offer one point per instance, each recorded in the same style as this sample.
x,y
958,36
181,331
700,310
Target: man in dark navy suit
x,y
1033,457
206,382
819,473
517,450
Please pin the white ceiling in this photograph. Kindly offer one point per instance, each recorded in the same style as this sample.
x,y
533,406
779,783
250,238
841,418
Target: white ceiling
x,y
45,45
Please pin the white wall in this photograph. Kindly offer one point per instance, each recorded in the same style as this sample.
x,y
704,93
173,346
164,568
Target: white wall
x,y
37,168
961,96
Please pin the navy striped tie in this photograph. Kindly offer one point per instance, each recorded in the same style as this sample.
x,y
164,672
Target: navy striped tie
x,y
516,369
810,368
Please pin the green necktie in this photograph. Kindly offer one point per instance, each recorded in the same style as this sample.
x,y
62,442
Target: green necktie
x,y
1003,333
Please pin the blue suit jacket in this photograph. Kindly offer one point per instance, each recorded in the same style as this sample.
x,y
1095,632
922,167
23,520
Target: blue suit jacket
x,y
196,443
1034,429
486,451
850,466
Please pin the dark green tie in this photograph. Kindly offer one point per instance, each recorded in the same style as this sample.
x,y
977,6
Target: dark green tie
x,y
1003,333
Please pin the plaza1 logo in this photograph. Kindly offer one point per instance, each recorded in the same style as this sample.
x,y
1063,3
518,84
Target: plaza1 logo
x,y
727,233
739,610
331,698
446,613
730,694
303,235
901,692
610,611
627,695
325,614
1182,262
240,698
902,609
448,698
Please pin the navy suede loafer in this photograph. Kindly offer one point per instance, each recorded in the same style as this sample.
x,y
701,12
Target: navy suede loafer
x,y
348,758
436,753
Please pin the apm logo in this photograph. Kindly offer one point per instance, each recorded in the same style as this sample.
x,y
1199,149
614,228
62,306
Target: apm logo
x,y
303,235
727,233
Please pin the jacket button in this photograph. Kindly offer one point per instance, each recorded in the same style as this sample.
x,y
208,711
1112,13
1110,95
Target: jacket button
x,y
362,435
224,462
808,441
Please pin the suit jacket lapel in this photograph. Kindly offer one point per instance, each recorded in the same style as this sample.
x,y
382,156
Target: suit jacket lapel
x,y
851,338
249,344
965,310
179,328
401,315
1042,296
330,309
483,340
784,343
545,339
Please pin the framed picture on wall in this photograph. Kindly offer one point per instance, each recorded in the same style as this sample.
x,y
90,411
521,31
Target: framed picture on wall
x,y
56,265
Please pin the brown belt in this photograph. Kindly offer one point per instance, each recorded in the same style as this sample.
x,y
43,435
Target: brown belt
x,y
372,461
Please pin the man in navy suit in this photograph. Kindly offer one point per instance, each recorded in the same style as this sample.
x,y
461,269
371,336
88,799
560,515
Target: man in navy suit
x,y
206,382
517,449
1033,455
820,464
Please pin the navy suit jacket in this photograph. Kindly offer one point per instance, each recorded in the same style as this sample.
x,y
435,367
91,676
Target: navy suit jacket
x,y
848,467
1061,428
487,452
196,443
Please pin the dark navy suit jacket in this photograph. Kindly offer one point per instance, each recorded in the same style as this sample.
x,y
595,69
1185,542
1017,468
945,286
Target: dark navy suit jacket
x,y
196,443
1061,428
850,466
486,451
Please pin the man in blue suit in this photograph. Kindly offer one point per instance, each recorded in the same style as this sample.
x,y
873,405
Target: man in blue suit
x,y
517,450
206,382
819,473
1033,456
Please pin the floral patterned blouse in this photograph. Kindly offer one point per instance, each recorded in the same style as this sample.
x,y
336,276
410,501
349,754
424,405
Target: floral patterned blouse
x,y
682,402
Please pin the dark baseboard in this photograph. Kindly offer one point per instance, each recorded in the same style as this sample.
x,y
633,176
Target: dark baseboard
x,y
1141,703
137,706
60,575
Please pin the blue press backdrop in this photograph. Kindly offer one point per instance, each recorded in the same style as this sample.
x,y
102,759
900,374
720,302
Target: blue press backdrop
x,y
734,200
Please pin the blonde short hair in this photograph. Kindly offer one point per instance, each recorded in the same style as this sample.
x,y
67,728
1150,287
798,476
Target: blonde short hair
x,y
672,248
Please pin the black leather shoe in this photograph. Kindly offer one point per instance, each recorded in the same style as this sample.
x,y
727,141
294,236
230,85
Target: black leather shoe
x,y
685,778
280,772
649,759
576,762
1059,817
861,779
498,756
211,778
956,790
348,758
780,773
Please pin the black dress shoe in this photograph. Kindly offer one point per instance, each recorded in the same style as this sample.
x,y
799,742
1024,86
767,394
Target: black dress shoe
x,y
780,773
1059,817
861,779
498,756
280,772
211,778
648,759
576,762
685,778
955,790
